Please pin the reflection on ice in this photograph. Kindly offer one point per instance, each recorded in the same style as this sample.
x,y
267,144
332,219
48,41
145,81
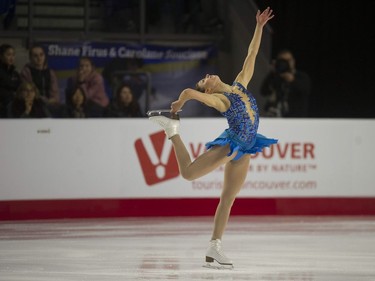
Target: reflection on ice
x,y
263,248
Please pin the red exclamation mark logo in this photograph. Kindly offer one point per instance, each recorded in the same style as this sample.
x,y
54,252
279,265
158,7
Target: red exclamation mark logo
x,y
157,158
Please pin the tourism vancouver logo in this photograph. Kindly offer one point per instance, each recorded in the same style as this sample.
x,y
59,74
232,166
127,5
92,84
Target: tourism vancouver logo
x,y
296,160
157,158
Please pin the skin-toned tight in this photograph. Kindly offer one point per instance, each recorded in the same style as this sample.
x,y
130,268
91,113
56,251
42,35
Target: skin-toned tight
x,y
234,176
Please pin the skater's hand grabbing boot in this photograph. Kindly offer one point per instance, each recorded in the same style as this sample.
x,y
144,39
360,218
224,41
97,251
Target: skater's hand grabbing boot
x,y
170,122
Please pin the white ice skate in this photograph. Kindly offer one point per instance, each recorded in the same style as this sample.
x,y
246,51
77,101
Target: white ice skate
x,y
215,258
170,122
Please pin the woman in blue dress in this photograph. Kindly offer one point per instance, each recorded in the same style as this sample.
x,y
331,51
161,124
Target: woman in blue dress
x,y
233,148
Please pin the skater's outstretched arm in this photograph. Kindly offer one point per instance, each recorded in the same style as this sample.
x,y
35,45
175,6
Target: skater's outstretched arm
x,y
217,101
247,71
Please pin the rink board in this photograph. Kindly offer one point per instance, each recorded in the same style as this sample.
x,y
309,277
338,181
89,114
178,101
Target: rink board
x,y
54,168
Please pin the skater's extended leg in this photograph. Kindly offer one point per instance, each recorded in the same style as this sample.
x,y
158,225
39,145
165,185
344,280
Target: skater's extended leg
x,y
203,164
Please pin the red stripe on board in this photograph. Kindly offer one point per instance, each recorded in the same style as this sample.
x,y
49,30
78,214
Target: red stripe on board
x,y
99,208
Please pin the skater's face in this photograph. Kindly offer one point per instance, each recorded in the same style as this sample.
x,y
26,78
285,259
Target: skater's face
x,y
208,83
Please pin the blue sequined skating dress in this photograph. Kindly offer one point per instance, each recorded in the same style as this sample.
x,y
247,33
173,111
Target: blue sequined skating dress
x,y
242,133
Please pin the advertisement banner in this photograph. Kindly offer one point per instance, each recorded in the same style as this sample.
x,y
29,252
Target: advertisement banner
x,y
111,158
156,73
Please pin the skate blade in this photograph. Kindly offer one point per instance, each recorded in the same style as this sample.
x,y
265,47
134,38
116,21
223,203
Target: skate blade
x,y
163,112
218,266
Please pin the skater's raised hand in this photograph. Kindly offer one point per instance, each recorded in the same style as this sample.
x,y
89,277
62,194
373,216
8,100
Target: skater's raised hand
x,y
265,16
176,106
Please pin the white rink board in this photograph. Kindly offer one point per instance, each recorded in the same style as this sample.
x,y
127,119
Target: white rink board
x,y
103,158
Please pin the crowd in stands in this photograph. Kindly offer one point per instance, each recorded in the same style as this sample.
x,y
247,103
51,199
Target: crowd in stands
x,y
34,93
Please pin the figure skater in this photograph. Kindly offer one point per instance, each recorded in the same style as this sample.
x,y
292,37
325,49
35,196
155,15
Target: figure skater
x,y
233,148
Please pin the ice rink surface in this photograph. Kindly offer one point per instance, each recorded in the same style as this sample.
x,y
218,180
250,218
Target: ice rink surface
x,y
173,248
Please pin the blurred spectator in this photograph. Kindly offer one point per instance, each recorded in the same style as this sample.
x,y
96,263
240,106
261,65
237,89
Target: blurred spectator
x,y
45,79
9,77
76,106
28,103
92,83
287,89
129,71
124,104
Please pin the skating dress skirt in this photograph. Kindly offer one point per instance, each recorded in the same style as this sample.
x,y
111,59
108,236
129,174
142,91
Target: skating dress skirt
x,y
242,135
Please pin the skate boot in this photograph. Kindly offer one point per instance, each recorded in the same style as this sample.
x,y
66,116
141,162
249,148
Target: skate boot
x,y
170,122
215,258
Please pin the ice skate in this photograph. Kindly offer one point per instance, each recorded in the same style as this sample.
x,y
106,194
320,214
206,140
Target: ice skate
x,y
215,258
170,122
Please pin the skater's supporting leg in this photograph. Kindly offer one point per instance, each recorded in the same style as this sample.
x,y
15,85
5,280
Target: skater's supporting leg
x,y
234,177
